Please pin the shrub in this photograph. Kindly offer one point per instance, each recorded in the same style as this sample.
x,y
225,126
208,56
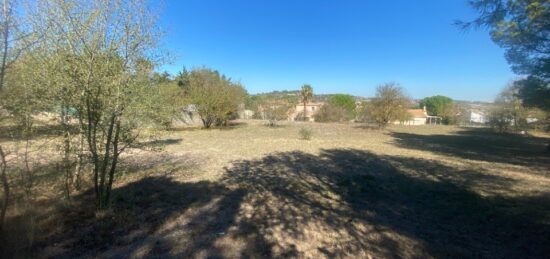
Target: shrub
x,y
500,119
305,133
215,97
331,113
344,101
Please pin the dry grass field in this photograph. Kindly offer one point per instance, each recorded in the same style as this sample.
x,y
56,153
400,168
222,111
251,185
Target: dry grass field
x,y
251,191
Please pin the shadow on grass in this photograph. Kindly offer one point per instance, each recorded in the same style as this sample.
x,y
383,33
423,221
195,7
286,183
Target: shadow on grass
x,y
481,145
14,132
158,143
347,202
134,227
367,126
340,203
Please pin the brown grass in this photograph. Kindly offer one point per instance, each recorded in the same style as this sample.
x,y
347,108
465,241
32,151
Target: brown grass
x,y
252,191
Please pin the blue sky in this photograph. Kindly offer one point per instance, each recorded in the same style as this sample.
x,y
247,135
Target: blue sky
x,y
337,46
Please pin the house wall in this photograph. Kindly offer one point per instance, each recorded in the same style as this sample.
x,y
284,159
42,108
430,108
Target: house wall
x,y
311,110
412,122
477,117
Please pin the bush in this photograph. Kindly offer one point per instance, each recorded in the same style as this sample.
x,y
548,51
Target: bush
x,y
500,119
331,113
305,133
344,101
215,97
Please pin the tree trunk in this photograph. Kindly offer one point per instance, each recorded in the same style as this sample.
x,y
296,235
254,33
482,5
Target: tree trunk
x,y
6,187
66,152
106,165
79,162
305,111
114,163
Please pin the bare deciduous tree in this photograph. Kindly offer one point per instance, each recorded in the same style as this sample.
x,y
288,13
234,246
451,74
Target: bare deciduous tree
x,y
390,104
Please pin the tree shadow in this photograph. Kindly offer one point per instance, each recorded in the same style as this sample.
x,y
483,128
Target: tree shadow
x,y
339,203
40,130
481,145
352,203
368,126
159,143
136,224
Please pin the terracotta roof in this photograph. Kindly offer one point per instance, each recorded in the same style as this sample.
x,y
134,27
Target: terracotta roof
x,y
417,113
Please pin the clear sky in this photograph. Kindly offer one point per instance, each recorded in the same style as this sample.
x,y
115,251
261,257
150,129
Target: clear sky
x,y
337,46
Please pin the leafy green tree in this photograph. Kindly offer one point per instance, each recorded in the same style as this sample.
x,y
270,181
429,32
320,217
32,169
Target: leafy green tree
x,y
345,102
390,104
306,93
522,28
215,97
534,92
441,106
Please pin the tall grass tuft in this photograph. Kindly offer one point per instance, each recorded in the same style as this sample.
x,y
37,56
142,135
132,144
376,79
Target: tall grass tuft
x,y
305,134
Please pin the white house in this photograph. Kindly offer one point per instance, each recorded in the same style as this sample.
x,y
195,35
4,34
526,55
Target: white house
x,y
478,117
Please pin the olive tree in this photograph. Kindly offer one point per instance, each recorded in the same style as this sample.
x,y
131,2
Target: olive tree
x,y
100,47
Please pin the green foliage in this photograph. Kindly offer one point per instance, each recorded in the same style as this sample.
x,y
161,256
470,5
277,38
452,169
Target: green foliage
x,y
389,105
344,101
97,60
534,92
437,105
332,113
441,106
521,27
305,133
168,103
215,97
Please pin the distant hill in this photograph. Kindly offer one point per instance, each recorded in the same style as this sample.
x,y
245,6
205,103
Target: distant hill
x,y
316,97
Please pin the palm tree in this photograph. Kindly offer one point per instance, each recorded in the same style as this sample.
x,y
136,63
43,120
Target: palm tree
x,y
306,94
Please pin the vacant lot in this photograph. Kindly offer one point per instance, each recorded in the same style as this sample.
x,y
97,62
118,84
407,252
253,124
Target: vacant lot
x,y
251,191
